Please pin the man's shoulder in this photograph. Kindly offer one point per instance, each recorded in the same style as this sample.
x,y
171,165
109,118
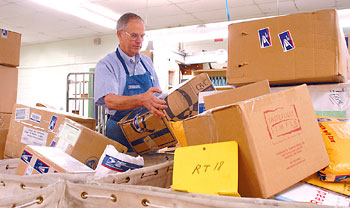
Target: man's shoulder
x,y
145,57
109,58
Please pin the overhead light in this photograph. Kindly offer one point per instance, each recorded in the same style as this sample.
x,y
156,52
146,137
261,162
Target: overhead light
x,y
84,10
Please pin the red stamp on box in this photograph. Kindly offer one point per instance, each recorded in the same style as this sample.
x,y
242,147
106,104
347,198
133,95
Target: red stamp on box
x,y
282,121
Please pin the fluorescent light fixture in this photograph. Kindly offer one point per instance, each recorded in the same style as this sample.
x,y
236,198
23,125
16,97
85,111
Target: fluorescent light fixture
x,y
344,17
84,10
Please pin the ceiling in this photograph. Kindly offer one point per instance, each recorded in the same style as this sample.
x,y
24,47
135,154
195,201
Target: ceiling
x,y
39,24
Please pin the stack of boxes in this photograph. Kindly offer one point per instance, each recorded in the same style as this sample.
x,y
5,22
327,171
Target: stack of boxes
x,y
10,43
278,136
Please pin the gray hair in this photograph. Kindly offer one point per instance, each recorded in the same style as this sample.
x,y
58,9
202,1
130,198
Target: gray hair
x,y
125,18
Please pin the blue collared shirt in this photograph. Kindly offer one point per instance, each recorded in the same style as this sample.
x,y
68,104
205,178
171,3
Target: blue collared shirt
x,y
110,76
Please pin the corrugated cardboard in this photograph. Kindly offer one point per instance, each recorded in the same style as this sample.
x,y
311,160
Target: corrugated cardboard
x,y
8,87
147,133
319,54
278,138
36,126
3,137
10,43
82,143
237,94
41,159
5,119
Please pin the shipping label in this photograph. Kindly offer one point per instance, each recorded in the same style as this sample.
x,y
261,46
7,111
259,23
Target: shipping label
x,y
33,137
281,122
286,41
53,122
68,136
26,156
265,37
41,167
22,114
35,117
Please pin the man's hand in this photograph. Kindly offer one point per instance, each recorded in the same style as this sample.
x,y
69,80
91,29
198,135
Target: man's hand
x,y
152,103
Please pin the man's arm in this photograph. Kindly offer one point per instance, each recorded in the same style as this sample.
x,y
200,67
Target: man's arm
x,y
147,99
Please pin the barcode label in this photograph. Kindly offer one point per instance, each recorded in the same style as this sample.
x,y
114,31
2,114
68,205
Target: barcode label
x,y
22,114
35,117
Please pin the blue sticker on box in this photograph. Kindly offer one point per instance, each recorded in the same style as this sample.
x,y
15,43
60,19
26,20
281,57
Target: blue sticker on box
x,y
53,144
118,165
265,38
347,41
41,167
53,122
26,156
3,33
286,41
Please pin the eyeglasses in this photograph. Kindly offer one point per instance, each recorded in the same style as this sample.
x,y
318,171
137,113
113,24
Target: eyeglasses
x,y
134,36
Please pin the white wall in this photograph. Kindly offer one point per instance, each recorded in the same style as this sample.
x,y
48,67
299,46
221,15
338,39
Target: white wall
x,y
44,67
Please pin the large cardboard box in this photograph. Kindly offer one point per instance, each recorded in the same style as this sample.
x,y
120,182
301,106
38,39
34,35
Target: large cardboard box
x,y
40,160
8,87
36,126
147,133
82,143
3,137
10,43
298,48
278,138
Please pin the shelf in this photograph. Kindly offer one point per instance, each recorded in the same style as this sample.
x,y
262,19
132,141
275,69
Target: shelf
x,y
211,72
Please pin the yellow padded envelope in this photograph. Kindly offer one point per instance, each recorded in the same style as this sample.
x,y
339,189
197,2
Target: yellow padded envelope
x,y
208,169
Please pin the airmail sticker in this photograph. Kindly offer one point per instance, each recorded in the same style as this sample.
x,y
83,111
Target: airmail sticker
x,y
286,41
265,37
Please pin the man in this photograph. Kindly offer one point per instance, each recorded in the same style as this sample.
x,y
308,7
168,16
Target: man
x,y
125,80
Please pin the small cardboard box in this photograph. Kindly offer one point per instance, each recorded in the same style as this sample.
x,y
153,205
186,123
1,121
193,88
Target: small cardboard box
x,y
147,133
82,143
40,160
10,43
36,126
298,48
8,87
278,138
3,137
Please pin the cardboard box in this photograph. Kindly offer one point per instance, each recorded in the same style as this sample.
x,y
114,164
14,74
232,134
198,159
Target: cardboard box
x,y
237,94
36,126
328,99
40,160
8,87
278,138
10,43
3,137
298,48
147,133
148,53
82,143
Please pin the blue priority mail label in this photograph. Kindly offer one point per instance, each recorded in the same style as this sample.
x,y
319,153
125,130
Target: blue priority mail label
x,y
53,122
286,41
3,33
26,156
118,165
41,167
265,37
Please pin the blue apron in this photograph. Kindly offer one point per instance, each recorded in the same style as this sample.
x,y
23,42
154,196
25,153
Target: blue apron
x,y
135,84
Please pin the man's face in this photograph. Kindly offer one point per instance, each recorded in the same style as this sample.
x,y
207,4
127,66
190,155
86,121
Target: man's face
x,y
131,38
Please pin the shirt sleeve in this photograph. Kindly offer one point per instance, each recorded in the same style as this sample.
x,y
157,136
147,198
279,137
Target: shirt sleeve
x,y
105,81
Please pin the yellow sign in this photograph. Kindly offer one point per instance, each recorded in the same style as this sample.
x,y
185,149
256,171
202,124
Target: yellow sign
x,y
208,169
